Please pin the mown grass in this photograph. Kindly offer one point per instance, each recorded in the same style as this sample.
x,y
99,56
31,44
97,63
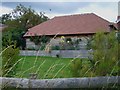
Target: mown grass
x,y
45,67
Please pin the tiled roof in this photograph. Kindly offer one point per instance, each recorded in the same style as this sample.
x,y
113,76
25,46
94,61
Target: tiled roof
x,y
73,24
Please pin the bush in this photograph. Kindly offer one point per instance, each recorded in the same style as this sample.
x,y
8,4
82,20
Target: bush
x,y
105,55
38,40
105,58
44,39
68,39
9,57
56,47
42,47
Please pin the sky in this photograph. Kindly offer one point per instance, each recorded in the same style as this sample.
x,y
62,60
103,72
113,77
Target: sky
x,y
106,10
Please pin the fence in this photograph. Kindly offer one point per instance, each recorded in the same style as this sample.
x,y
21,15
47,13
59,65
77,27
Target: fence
x,y
95,82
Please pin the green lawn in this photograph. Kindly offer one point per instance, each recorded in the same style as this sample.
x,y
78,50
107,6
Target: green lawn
x,y
45,67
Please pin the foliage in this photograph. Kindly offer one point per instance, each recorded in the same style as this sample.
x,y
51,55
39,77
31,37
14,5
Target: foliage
x,y
18,22
9,58
69,43
42,46
118,36
35,39
23,17
105,54
89,42
56,47
5,18
9,37
44,39
104,59
76,67
39,40
68,40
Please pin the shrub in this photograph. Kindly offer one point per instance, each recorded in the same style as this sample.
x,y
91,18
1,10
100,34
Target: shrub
x,y
68,39
105,59
44,39
105,54
38,40
89,41
42,47
9,58
56,47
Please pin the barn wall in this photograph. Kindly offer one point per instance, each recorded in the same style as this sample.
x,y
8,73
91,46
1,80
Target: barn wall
x,y
56,41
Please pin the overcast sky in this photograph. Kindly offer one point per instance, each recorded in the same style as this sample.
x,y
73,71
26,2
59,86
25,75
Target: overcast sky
x,y
107,10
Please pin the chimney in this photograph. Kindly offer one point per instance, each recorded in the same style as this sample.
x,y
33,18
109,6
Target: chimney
x,y
118,22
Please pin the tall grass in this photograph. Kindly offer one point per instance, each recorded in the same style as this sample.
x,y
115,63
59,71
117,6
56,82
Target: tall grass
x,y
50,67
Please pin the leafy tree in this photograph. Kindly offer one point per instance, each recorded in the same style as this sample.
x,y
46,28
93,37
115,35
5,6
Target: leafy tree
x,y
27,17
18,23
5,18
9,37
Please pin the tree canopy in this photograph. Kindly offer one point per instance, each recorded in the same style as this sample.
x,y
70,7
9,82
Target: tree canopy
x,y
18,22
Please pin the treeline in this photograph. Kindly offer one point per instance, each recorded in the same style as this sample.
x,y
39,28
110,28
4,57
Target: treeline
x,y
17,23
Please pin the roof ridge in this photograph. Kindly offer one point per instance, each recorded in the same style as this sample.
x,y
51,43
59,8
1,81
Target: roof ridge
x,y
102,18
73,15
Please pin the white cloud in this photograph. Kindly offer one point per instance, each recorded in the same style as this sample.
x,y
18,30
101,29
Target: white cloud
x,y
108,12
4,10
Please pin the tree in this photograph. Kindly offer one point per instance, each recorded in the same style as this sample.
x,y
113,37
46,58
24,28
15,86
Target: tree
x,y
5,18
27,17
18,23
